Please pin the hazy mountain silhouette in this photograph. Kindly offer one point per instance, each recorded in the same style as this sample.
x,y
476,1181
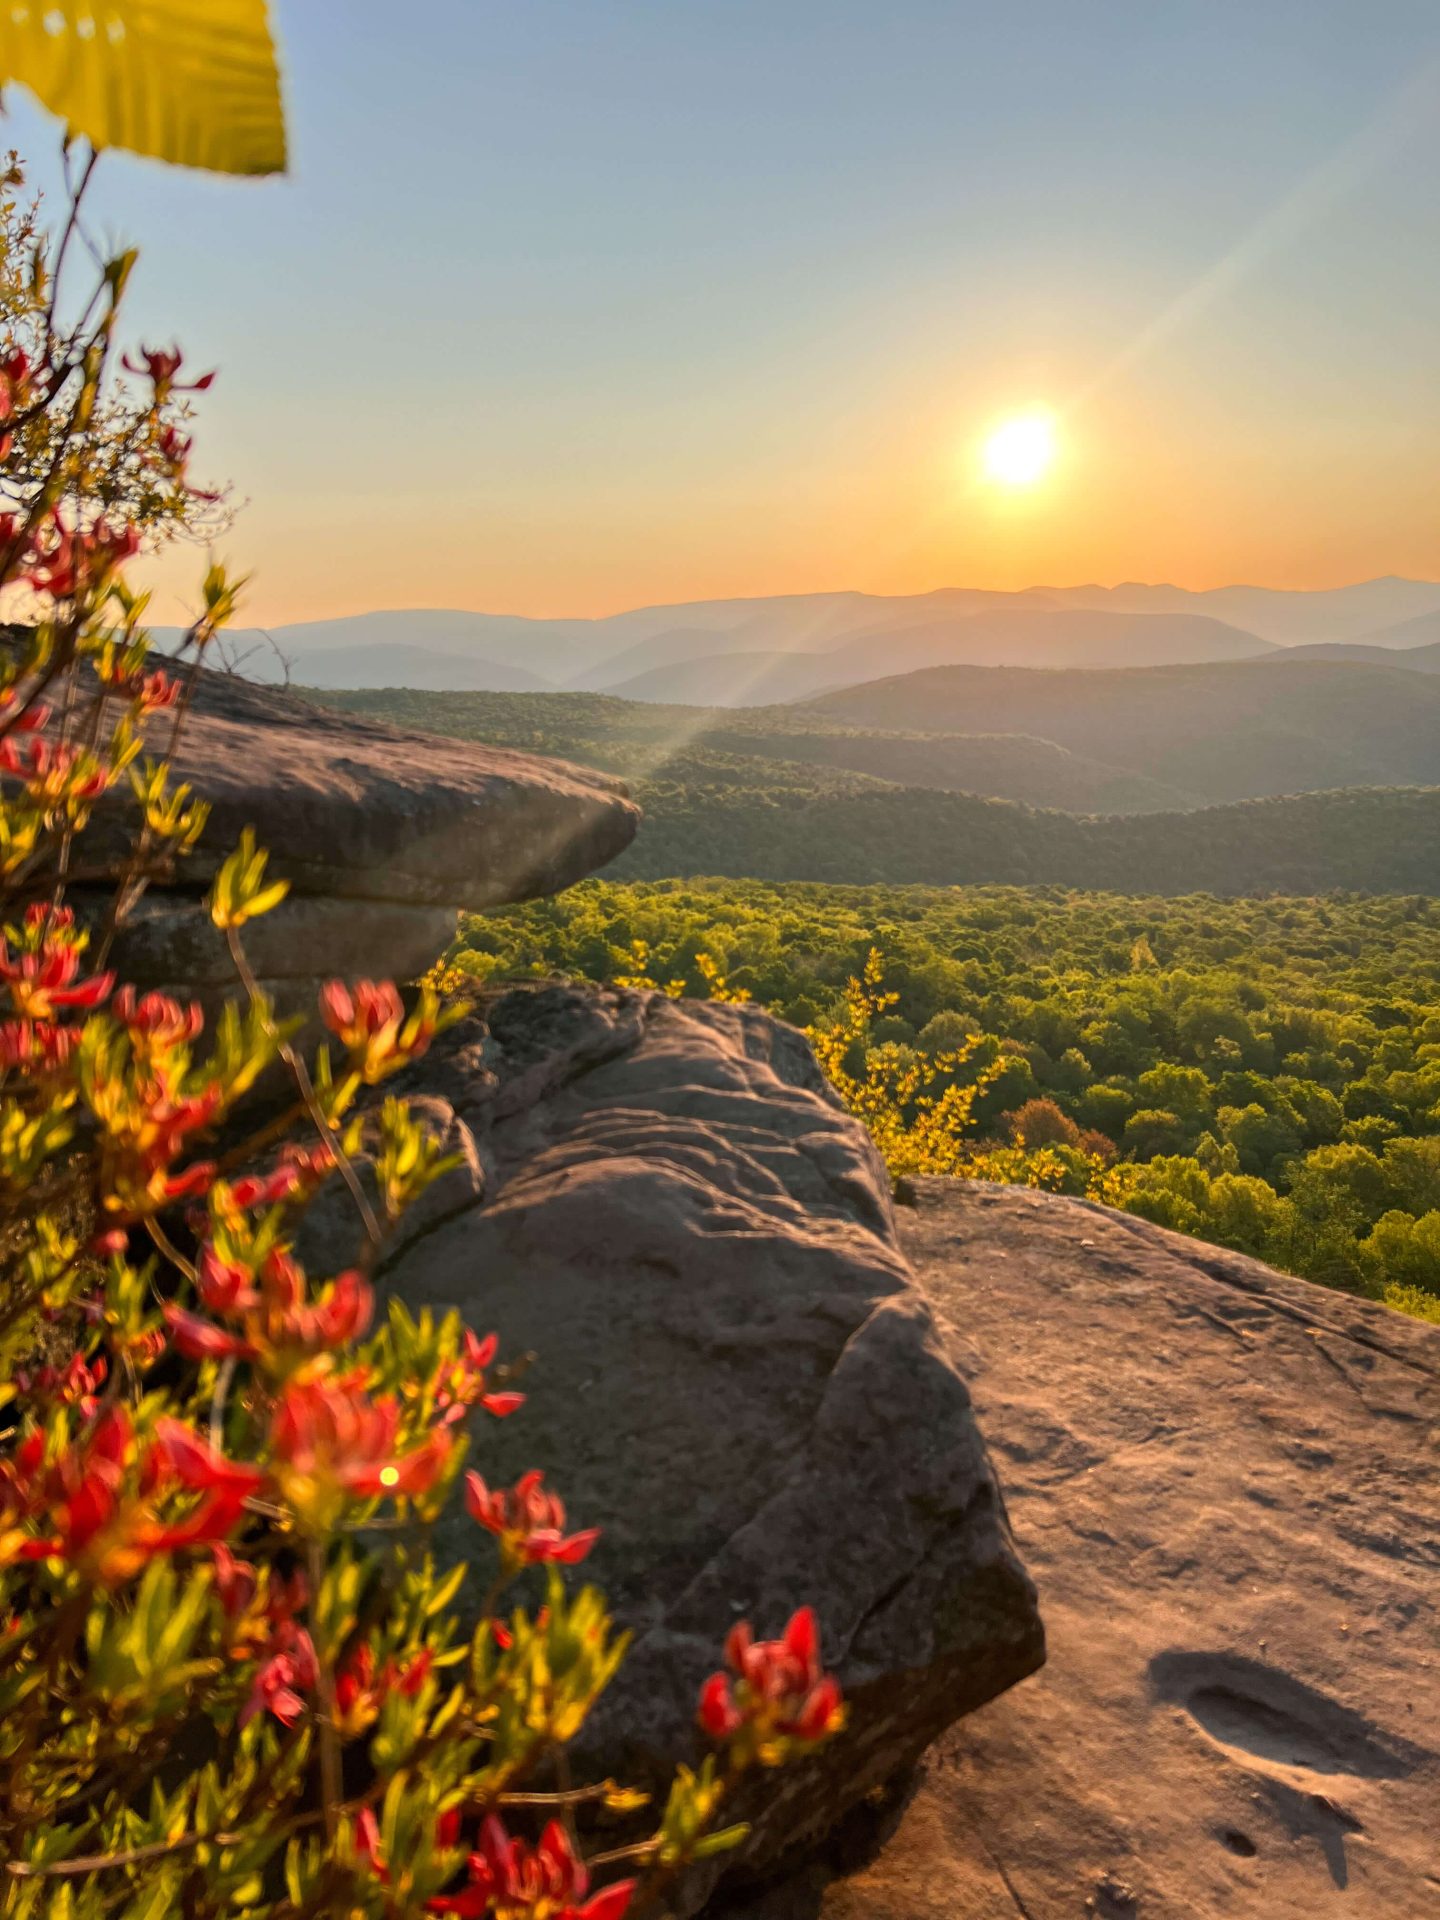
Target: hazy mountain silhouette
x,y
390,663
1407,635
1419,659
1022,636
733,680
612,651
1286,616
1039,637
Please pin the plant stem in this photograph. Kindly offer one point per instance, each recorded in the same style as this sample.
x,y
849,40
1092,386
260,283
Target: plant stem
x,y
325,1687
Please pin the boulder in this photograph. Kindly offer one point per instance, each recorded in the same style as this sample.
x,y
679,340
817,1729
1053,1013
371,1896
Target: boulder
x,y
1227,1485
737,1378
382,833
356,810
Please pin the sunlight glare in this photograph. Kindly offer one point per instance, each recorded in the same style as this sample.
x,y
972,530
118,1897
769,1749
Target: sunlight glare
x,y
1020,451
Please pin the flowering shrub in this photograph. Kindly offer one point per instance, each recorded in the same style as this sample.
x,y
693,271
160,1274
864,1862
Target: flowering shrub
x,y
917,1104
232,1678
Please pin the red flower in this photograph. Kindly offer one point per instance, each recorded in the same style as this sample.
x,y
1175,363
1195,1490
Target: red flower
x,y
357,1016
67,563
367,1842
236,1582
288,1671
332,1441
174,445
776,1696
528,1522
277,1320
508,1878
55,776
77,1383
37,1045
201,1339
718,1714
360,1692
224,1287
369,1021
197,1465
43,982
34,715
340,1317
146,1124
161,365
156,1019
461,1384
264,1189
96,1502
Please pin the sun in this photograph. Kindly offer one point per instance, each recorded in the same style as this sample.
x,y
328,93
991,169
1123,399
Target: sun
x,y
1020,451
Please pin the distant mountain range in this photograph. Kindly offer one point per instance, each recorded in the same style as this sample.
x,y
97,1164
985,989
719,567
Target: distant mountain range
x,y
743,652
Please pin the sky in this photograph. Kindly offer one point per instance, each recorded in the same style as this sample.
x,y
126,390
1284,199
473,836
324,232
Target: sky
x,y
568,306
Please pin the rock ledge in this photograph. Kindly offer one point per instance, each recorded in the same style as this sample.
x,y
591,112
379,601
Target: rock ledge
x,y
1227,1485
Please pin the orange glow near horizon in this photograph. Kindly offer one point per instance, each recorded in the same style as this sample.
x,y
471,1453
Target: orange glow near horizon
x,y
891,499
770,362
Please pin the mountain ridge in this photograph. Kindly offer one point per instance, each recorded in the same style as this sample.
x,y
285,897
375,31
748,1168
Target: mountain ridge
x,y
1224,730
572,651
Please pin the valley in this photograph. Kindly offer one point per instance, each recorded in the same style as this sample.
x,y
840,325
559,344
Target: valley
x,y
1233,777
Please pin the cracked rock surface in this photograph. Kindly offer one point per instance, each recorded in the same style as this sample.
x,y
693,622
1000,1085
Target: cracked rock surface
x,y
1227,1486
737,1379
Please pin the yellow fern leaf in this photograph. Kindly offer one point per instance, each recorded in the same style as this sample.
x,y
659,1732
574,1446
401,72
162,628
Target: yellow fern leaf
x,y
193,84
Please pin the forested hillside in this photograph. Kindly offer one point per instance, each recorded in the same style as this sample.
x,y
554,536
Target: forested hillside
x,y
782,793
703,816
1123,741
1263,1074
636,739
710,808
1232,731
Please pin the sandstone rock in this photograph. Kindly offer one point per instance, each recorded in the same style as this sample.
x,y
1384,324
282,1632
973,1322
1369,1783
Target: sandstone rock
x,y
170,942
1227,1485
737,1377
353,809
383,835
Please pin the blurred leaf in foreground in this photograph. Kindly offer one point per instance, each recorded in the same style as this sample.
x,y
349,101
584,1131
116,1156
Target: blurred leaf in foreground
x,y
196,85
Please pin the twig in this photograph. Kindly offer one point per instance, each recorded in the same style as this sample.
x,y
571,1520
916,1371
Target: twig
x,y
329,1134
325,1687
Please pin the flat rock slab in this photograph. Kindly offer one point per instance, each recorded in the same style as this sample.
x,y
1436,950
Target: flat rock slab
x,y
738,1379
1227,1485
355,809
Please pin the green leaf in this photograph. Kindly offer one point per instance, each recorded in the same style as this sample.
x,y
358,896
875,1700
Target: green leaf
x,y
195,85
445,1592
720,1842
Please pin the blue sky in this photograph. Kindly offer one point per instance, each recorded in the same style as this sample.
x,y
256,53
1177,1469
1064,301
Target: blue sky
x,y
567,306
